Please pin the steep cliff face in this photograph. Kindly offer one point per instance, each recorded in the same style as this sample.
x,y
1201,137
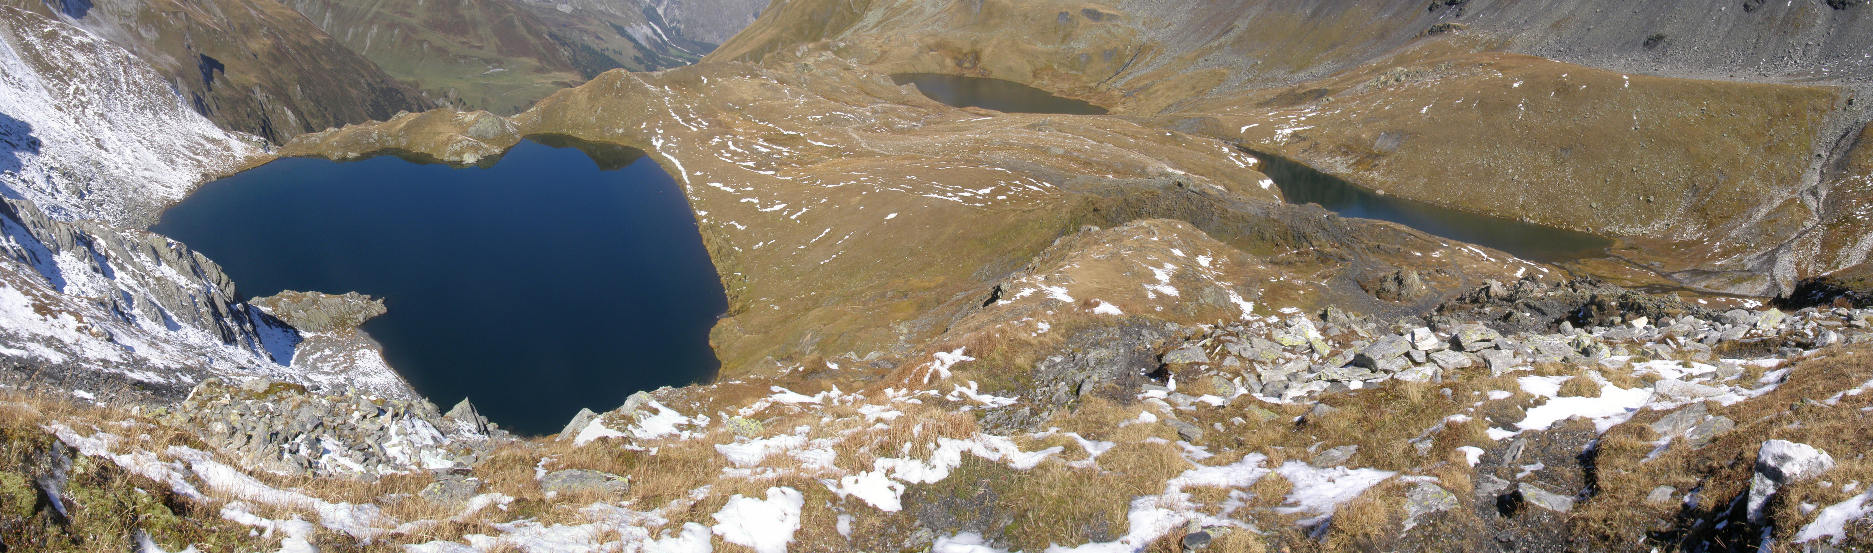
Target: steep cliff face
x,y
633,33
709,21
251,66
96,144
500,55
91,132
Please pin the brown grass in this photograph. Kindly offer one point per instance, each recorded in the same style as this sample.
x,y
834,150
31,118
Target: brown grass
x,y
106,502
1619,514
1580,386
1366,522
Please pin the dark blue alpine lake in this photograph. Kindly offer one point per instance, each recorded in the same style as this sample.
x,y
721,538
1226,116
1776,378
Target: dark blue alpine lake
x,y
536,286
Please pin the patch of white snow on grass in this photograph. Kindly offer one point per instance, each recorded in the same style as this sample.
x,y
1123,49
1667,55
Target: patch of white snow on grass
x,y
764,525
1471,454
874,488
693,539
942,361
751,452
594,431
1832,521
1319,491
1614,405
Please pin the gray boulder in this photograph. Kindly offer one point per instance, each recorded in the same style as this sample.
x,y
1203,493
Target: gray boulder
x,y
1186,431
1545,499
1196,540
1679,390
1489,486
1707,431
1549,348
1256,349
581,481
1450,360
466,414
1778,463
1426,499
579,422
1385,349
450,490
1476,337
1682,420
1336,456
1739,317
1423,339
1499,361
1189,354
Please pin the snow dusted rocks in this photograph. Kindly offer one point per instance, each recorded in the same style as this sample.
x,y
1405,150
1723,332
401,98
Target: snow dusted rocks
x,y
105,137
95,144
283,427
1778,463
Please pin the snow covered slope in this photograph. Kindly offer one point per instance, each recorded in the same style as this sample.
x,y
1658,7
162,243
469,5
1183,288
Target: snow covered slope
x,y
92,132
93,144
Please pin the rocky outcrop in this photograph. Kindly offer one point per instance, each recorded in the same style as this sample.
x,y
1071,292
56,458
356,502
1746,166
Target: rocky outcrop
x,y
1304,356
96,145
320,312
440,136
284,427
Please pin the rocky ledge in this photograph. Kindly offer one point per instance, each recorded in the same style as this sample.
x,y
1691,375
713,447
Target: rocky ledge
x,y
1295,356
321,312
283,427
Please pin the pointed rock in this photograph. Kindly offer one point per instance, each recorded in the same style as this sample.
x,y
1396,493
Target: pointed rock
x,y
578,423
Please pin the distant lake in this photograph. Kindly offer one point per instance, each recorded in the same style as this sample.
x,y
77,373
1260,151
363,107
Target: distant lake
x,y
535,286
995,94
1303,185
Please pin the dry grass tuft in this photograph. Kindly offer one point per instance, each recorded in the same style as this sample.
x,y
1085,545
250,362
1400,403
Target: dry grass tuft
x,y
1580,386
1365,522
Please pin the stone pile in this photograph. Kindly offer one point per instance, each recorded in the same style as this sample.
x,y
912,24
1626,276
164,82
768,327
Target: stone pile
x,y
1295,356
285,428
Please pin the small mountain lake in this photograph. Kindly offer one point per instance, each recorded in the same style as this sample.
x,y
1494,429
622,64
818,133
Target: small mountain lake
x,y
546,282
995,94
1304,185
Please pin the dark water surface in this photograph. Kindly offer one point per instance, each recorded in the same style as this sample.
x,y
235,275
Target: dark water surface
x,y
536,286
995,94
1303,185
